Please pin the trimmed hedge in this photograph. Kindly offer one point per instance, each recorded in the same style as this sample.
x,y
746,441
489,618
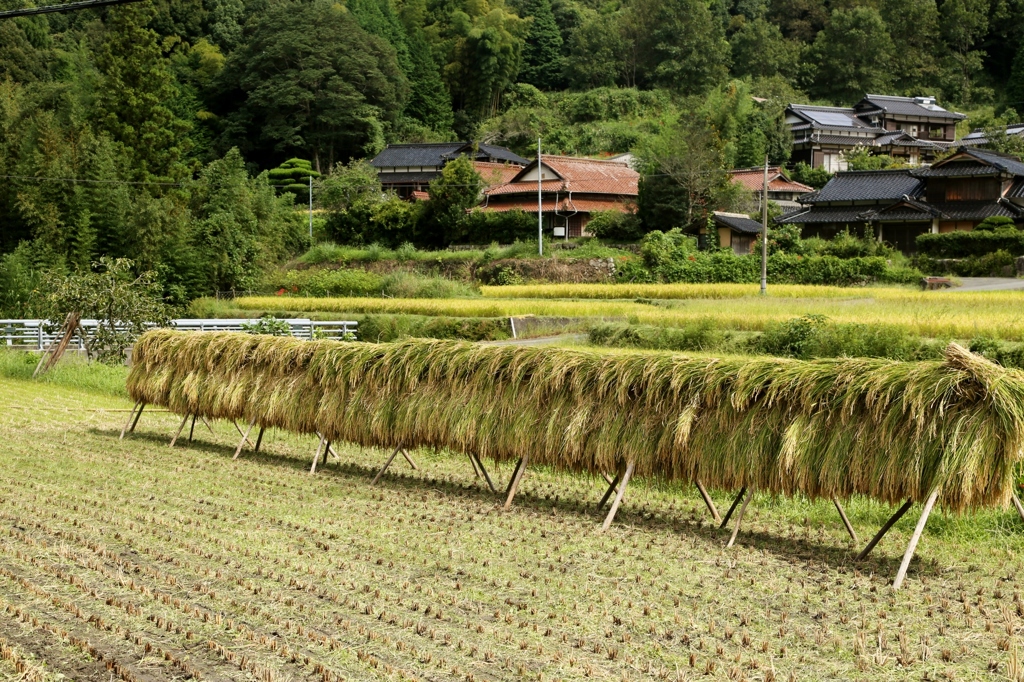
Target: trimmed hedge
x,y
966,244
385,328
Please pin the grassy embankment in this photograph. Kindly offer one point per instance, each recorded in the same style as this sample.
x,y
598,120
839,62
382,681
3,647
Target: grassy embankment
x,y
153,558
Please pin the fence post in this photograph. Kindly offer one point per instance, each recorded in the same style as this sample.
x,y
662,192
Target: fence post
x,y
39,347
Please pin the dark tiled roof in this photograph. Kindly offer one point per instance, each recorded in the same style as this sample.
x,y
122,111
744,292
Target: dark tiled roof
x,y
406,178
977,210
1016,191
830,117
843,140
416,154
737,223
969,161
907,107
496,153
823,214
880,186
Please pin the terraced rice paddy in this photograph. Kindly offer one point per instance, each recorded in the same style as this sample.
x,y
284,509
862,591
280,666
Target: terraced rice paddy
x,y
130,560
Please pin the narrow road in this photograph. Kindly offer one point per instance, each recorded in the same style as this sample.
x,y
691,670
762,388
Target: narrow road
x,y
990,284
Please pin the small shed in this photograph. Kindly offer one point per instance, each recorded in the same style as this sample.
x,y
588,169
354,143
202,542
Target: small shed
x,y
736,231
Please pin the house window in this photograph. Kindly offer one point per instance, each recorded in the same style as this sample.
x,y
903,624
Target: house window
x,y
913,131
833,162
936,133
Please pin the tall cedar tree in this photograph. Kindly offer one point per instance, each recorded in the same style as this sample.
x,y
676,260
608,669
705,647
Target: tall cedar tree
x,y
429,101
135,93
300,99
542,53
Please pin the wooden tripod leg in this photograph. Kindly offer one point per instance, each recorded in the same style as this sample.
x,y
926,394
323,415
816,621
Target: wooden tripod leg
x,y
1017,504
487,478
245,438
914,539
137,415
476,472
207,424
739,520
243,434
316,455
618,497
885,529
180,429
259,439
128,423
386,465
608,493
708,501
513,485
728,514
326,450
192,429
515,472
846,521
408,458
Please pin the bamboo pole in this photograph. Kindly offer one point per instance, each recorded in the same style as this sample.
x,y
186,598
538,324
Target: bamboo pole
x,y
192,428
408,458
132,414
1017,504
612,482
515,472
386,465
207,424
739,519
487,478
137,415
708,501
885,529
513,485
914,539
476,472
846,521
243,434
618,497
259,439
245,438
180,429
316,455
728,514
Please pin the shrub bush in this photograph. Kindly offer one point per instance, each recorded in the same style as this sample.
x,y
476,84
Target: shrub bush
x,y
966,244
486,227
384,328
814,336
703,335
1005,353
615,226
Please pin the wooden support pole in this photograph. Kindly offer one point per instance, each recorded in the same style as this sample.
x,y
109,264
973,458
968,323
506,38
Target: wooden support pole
x,y
606,477
472,460
192,429
316,455
846,521
259,439
618,497
739,519
708,501
885,529
386,465
914,539
612,482
513,485
728,514
515,472
207,425
243,434
127,423
487,478
180,429
326,450
408,458
245,438
1017,504
137,415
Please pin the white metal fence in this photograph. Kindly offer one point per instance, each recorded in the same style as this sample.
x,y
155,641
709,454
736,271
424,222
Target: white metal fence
x,y
32,334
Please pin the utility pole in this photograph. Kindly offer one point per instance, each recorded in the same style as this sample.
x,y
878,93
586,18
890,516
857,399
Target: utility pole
x,y
310,210
540,206
764,230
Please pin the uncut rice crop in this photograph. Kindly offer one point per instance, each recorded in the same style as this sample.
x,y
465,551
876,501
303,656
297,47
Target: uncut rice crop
x,y
825,428
933,314
667,291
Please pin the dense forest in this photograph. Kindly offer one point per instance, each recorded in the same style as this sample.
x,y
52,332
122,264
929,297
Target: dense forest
x,y
146,130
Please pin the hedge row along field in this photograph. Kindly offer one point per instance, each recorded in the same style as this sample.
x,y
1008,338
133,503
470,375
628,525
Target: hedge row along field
x,y
951,430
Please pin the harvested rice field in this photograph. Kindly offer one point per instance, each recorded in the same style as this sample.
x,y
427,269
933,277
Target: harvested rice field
x,y
132,560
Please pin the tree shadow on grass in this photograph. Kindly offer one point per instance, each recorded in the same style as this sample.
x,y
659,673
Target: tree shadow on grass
x,y
828,555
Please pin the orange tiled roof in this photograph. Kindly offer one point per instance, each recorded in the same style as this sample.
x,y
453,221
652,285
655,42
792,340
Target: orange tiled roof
x,y
496,173
753,179
575,174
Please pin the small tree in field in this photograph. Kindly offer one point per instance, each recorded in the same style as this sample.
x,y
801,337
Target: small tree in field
x,y
124,305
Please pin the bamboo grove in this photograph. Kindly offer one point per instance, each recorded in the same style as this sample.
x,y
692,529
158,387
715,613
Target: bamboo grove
x,y
892,431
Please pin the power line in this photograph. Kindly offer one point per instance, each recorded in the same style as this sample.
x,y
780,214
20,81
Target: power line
x,y
67,7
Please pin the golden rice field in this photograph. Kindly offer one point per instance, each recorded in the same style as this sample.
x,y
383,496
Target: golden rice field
x,y
129,560
940,314
674,291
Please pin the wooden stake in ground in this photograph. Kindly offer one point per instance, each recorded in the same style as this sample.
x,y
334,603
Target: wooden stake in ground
x,y
192,429
479,463
612,483
618,497
386,465
245,438
324,445
71,325
472,460
130,415
1017,504
708,501
846,521
739,519
180,429
259,439
914,539
885,529
243,434
408,458
513,484
728,514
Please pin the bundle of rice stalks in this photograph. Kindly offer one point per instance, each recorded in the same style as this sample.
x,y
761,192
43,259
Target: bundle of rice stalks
x,y
825,428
